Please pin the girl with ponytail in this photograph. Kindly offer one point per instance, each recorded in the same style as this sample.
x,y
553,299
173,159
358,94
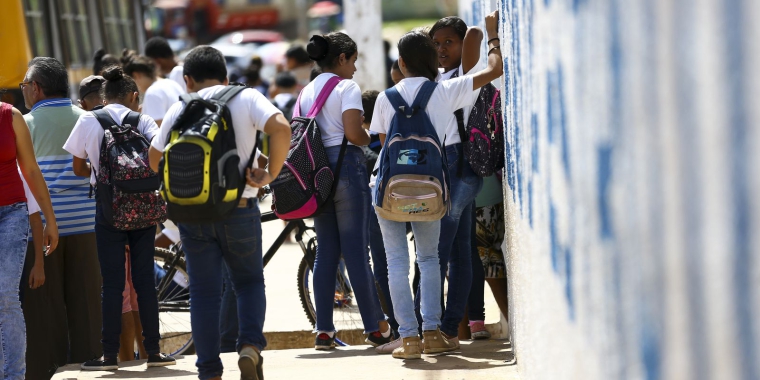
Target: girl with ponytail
x,y
343,227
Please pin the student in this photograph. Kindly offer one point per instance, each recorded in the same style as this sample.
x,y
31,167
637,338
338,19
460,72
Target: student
x,y
458,50
16,151
101,60
376,248
63,318
89,93
298,62
418,62
158,49
159,94
343,225
396,74
121,96
283,92
252,75
235,241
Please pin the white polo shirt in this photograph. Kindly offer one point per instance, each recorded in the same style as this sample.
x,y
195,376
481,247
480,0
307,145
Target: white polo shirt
x,y
346,96
87,135
159,97
250,112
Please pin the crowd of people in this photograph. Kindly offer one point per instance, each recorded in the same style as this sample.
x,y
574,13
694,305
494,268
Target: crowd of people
x,y
99,300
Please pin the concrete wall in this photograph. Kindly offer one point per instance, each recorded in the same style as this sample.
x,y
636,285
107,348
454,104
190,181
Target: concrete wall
x,y
633,221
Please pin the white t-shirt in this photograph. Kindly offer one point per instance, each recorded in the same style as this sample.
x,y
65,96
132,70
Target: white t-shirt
x,y
177,75
31,203
346,96
250,112
159,97
448,95
452,131
87,135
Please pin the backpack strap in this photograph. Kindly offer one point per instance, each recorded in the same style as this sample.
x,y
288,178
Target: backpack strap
x,y
227,93
322,97
423,96
132,118
104,118
459,114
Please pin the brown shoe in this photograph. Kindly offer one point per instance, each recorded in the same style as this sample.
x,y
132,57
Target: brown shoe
x,y
410,348
435,342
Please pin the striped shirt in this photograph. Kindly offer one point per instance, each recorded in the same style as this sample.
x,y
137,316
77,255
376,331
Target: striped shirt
x,y
50,123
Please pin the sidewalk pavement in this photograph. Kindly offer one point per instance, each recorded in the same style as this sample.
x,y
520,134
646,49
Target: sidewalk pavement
x,y
490,359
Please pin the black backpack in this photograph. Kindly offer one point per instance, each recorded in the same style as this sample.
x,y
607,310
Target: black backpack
x,y
201,181
483,136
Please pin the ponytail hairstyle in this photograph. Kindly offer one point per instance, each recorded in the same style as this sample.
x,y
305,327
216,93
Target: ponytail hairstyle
x,y
140,64
326,49
419,55
101,60
117,85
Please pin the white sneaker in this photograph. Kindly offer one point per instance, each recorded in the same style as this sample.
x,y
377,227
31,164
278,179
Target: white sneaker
x,y
388,347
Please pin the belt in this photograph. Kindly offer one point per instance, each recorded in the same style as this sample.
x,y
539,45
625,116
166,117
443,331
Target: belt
x,y
248,202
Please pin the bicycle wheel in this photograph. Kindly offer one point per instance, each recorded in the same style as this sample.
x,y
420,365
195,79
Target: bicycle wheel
x,y
173,303
346,314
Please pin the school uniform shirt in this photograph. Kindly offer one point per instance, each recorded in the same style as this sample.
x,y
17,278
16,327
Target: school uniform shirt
x,y
452,130
178,76
346,96
159,97
250,112
448,95
87,135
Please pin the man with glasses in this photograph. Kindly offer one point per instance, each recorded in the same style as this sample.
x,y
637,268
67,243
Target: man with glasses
x,y
63,318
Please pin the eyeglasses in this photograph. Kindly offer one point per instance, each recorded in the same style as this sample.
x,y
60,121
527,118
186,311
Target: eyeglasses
x,y
22,84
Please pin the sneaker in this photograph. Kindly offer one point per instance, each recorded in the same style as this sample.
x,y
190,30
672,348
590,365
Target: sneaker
x,y
160,360
250,363
435,342
478,330
452,339
377,339
324,342
409,349
101,364
388,347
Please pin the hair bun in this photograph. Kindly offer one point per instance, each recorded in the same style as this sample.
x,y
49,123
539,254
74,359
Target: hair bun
x,y
317,47
99,55
113,73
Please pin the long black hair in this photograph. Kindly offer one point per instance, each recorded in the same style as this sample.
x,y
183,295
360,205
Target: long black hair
x,y
118,85
419,54
326,50
459,26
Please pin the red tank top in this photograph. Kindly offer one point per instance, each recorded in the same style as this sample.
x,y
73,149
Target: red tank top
x,y
11,188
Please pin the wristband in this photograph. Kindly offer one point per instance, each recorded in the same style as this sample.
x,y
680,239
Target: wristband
x,y
494,48
492,39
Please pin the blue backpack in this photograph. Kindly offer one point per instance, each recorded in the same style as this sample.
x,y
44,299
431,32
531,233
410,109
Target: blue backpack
x,y
411,180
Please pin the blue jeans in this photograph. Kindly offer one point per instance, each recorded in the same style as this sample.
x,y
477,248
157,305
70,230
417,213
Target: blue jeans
x,y
380,266
14,230
112,257
343,227
456,231
228,321
397,251
236,241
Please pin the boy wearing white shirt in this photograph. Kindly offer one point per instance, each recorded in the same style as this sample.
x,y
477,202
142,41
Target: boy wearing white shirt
x,y
236,239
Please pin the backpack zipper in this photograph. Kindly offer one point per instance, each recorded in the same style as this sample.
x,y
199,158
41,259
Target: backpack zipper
x,y
416,181
401,196
295,174
415,137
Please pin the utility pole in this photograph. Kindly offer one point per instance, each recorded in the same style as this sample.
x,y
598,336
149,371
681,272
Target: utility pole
x,y
363,20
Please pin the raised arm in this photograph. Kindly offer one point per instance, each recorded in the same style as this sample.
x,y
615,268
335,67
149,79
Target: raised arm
x,y
471,48
495,67
33,176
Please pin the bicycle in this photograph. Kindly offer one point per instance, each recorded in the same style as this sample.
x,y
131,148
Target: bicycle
x,y
173,292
